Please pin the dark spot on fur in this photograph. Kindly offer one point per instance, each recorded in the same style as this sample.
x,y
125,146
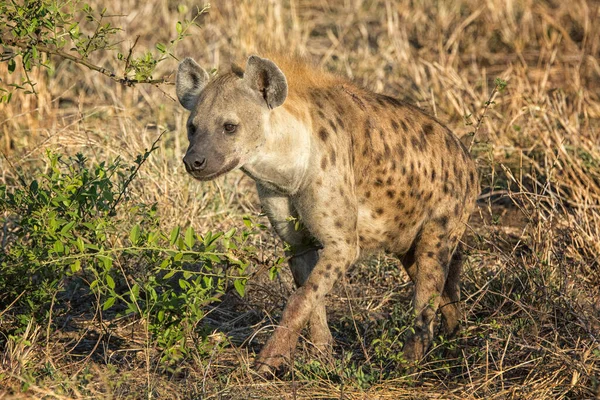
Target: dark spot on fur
x,y
430,254
400,204
378,182
340,122
443,221
428,129
433,174
379,211
321,114
395,125
314,287
323,134
390,193
338,223
332,157
368,194
324,162
449,142
332,125
386,150
415,143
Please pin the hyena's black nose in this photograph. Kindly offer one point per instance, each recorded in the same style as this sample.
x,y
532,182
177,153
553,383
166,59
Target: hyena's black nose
x,y
194,162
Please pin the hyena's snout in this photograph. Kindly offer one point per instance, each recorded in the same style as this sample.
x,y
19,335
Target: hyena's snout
x,y
194,162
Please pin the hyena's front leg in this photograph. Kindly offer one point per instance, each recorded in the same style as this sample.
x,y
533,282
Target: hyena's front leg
x,y
302,258
335,227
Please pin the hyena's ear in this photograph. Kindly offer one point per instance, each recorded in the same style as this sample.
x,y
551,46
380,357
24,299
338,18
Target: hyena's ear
x,y
266,77
191,79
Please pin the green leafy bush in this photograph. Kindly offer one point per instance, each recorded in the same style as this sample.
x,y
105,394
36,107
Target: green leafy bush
x,y
76,223
74,31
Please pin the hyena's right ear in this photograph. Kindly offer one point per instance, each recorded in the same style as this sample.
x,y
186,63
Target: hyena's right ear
x,y
191,79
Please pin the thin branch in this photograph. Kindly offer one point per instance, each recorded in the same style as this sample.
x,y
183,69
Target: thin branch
x,y
79,60
128,60
500,85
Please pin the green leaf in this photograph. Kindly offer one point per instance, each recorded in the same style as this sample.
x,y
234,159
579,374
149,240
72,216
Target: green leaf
x,y
67,228
179,27
240,286
174,235
189,237
59,248
161,47
229,233
80,245
108,303
76,266
134,235
106,261
169,275
110,282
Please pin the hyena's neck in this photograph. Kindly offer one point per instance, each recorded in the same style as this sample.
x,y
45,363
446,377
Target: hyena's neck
x,y
282,161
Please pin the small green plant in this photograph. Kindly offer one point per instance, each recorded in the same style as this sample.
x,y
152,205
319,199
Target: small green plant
x,y
499,86
75,31
76,223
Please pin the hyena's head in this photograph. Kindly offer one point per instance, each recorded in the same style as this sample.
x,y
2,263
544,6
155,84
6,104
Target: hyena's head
x,y
226,126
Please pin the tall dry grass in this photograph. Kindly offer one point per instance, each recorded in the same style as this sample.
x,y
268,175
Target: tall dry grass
x,y
531,282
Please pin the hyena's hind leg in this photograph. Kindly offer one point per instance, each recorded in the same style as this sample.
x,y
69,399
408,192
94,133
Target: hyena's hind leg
x,y
450,301
437,279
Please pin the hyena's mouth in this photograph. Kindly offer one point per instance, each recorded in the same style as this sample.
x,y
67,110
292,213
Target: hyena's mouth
x,y
222,171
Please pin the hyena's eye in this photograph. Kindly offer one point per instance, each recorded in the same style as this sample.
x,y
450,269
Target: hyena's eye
x,y
229,128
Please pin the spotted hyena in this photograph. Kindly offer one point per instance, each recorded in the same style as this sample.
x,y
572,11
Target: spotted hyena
x,y
363,172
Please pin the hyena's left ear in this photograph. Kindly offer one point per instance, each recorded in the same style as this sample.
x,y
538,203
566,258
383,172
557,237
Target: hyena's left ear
x,y
191,79
264,76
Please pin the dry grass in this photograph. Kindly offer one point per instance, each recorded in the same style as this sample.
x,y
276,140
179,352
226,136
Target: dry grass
x,y
531,282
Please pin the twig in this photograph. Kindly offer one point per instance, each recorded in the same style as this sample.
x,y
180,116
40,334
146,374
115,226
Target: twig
x,y
500,85
128,60
134,173
79,60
